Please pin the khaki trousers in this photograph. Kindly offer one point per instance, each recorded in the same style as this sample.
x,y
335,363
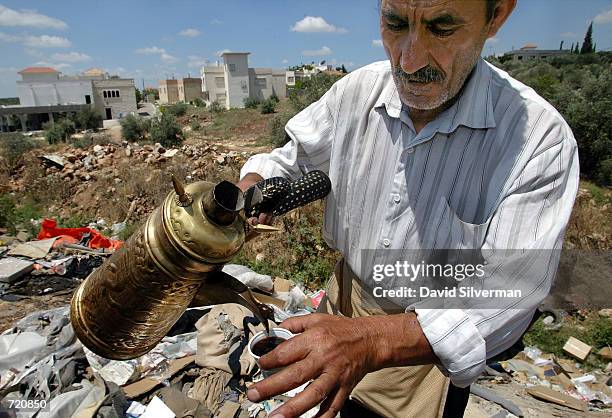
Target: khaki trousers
x,y
402,392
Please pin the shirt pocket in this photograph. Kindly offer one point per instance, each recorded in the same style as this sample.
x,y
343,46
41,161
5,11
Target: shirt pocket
x,y
449,231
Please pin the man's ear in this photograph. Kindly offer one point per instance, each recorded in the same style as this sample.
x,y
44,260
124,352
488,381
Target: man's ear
x,y
503,9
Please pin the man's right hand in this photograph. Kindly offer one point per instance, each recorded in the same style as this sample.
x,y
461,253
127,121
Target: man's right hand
x,y
249,180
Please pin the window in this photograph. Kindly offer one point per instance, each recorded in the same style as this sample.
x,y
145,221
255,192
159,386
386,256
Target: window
x,y
290,79
220,82
261,82
232,67
104,94
245,87
118,95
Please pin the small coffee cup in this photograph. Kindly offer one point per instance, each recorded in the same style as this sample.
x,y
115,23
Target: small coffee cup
x,y
262,343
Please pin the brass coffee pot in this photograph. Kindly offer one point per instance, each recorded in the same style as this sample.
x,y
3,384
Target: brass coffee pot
x,y
127,305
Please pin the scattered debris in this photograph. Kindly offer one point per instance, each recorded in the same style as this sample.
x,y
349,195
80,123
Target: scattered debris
x,y
547,394
577,348
12,269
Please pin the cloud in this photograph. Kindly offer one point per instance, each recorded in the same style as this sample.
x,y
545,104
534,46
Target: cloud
x,y
603,17
312,24
163,55
285,61
43,41
317,52
190,33
216,22
153,50
377,43
71,57
571,35
168,59
28,18
46,41
55,65
196,61
223,51
492,41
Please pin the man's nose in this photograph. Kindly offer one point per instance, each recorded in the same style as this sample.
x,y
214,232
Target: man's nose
x,y
415,54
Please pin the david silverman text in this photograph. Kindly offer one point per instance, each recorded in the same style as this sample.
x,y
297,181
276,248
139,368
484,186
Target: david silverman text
x,y
461,292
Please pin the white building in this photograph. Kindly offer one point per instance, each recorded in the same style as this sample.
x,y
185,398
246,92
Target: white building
x,y
44,92
233,81
112,97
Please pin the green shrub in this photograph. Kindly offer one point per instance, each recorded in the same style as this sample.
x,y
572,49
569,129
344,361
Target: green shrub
x,y
88,118
196,126
251,102
178,109
13,216
59,131
268,106
13,147
133,128
275,98
215,107
605,172
310,90
278,136
166,131
197,102
84,142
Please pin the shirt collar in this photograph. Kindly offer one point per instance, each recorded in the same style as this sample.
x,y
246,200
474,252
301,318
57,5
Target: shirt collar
x,y
473,109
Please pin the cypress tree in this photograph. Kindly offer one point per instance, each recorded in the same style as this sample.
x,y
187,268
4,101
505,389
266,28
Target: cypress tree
x,y
587,45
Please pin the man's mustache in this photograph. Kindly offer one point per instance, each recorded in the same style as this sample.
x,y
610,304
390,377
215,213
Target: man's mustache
x,y
424,75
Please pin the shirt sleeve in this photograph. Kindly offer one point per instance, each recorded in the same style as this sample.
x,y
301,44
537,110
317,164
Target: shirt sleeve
x,y
532,216
309,148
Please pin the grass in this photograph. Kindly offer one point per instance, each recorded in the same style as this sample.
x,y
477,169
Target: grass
x,y
593,330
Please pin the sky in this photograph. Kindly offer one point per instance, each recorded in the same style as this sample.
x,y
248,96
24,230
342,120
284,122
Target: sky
x,y
150,40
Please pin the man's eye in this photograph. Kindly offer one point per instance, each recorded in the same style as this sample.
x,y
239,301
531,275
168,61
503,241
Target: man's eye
x,y
442,32
397,26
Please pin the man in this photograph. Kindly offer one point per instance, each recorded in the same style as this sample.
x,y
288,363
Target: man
x,y
434,148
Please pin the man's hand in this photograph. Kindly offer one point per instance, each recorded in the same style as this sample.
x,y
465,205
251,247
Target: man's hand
x,y
249,180
336,353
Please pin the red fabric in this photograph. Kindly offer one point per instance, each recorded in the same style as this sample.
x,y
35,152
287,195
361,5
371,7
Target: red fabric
x,y
49,229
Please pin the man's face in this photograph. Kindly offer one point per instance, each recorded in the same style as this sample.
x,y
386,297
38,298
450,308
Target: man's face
x,y
433,45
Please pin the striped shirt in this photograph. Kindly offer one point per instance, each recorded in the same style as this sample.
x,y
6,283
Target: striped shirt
x,y
496,170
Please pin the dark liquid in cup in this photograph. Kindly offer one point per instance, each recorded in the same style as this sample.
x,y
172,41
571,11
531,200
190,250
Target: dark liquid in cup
x,y
266,345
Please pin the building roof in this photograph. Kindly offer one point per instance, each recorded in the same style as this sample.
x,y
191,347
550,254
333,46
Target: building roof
x,y
530,46
38,70
235,53
95,72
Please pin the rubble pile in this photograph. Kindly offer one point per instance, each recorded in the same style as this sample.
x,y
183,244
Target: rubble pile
x,y
533,374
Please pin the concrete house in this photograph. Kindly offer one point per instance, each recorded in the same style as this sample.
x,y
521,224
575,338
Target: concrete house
x,y
168,91
232,81
182,90
531,52
44,91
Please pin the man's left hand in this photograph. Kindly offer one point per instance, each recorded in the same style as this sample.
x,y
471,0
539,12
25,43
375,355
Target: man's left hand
x,y
336,353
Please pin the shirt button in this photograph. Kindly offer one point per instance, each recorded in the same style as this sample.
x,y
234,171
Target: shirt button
x,y
397,198
386,242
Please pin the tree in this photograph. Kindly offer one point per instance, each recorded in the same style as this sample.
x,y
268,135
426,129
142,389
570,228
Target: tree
x,y
577,50
138,96
561,46
166,131
587,45
344,69
89,118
